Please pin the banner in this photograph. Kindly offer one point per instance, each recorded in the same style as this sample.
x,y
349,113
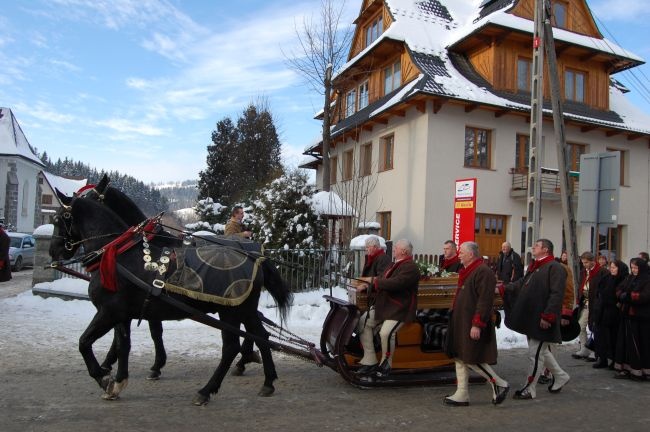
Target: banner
x,y
464,211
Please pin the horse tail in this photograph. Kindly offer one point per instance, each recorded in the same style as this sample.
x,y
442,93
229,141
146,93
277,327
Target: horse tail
x,y
278,288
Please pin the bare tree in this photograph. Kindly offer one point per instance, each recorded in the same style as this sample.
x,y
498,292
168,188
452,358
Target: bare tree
x,y
323,47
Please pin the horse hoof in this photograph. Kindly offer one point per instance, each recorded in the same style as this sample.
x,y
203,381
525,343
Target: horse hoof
x,y
154,375
110,397
105,382
114,389
266,391
200,400
238,370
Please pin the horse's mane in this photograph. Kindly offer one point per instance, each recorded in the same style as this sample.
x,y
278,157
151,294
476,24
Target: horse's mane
x,y
85,209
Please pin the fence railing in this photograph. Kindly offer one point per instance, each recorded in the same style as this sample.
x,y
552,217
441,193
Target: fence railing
x,y
76,267
309,269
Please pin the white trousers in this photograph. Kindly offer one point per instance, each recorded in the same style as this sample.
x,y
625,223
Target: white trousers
x,y
368,325
540,356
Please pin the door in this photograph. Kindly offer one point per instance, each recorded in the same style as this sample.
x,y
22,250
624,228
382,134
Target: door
x,y
490,233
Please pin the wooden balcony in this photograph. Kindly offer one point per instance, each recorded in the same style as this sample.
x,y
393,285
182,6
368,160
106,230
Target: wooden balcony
x,y
550,184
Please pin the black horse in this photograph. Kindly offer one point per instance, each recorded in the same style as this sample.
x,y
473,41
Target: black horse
x,y
88,222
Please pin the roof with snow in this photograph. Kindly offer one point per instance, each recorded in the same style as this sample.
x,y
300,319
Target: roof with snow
x,y
330,204
429,28
65,185
12,139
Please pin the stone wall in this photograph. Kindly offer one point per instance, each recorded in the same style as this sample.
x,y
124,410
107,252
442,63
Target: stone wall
x,y
41,259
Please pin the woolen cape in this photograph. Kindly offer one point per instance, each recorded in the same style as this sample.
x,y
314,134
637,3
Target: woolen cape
x,y
396,293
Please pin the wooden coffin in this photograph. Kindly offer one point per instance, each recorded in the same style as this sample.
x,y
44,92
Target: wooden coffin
x,y
433,293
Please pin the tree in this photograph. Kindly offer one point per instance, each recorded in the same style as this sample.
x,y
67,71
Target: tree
x,y
243,157
282,216
323,49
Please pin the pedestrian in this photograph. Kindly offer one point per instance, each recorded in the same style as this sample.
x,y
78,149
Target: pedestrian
x,y
5,263
533,305
590,278
471,334
509,265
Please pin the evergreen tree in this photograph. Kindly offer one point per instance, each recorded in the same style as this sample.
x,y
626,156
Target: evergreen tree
x,y
218,179
282,216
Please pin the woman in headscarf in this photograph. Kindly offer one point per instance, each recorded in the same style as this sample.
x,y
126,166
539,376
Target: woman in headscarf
x,y
606,313
633,345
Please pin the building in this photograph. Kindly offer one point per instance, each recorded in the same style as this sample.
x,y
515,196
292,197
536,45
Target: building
x,y
439,90
20,192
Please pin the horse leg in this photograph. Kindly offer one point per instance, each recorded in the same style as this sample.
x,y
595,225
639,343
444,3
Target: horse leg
x,y
247,356
156,330
254,326
229,351
123,348
98,327
111,355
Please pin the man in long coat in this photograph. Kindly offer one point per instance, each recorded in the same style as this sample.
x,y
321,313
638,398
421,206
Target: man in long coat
x,y
5,264
395,301
533,307
509,265
376,260
472,338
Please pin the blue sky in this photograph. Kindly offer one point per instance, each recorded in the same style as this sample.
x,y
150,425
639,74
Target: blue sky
x,y
138,85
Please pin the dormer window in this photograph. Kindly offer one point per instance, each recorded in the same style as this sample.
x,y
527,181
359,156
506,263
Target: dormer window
x,y
374,29
574,85
350,102
559,14
392,77
363,95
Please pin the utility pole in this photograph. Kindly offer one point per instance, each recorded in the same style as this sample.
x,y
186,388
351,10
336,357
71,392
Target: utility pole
x,y
566,190
534,199
543,42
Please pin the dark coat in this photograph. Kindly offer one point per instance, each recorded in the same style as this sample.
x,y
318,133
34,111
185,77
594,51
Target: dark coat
x,y
509,267
604,309
377,267
454,268
539,292
594,288
396,295
634,297
5,264
474,302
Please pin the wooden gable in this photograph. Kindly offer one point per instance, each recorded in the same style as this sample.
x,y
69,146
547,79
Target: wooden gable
x,y
579,18
370,11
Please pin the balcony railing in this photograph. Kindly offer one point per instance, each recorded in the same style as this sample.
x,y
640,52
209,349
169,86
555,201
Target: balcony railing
x,y
550,183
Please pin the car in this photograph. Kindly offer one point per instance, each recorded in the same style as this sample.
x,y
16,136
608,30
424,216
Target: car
x,y
21,250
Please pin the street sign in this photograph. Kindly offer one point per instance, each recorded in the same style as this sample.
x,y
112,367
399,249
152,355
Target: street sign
x,y
600,176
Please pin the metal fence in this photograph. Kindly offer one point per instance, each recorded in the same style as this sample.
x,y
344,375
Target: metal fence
x,y
76,267
309,269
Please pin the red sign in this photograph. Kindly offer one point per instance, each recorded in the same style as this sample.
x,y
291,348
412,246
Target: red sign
x,y
464,211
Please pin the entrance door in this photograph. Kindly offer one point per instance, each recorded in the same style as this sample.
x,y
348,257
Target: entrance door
x,y
490,233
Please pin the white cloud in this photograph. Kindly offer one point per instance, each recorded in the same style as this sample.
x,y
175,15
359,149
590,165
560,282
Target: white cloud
x,y
127,126
44,112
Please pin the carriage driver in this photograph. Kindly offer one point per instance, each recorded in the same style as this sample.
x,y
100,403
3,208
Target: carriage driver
x,y
394,294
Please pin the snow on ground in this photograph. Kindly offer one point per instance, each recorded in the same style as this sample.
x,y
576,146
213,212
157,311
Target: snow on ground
x,y
55,325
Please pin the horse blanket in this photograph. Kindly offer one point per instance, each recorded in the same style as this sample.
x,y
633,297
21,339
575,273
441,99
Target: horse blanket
x,y
222,271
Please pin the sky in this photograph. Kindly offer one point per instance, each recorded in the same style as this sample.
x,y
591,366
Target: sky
x,y
26,319
139,85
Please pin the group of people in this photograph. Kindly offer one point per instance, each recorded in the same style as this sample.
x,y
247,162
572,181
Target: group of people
x,y
538,303
614,303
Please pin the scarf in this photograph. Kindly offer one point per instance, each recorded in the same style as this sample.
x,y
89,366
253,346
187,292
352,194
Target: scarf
x,y
371,257
539,263
396,264
450,262
463,274
587,276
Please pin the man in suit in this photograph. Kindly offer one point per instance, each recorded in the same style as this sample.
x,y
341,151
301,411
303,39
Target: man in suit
x,y
395,299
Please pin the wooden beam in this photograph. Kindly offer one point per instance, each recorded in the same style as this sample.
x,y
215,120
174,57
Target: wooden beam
x,y
498,40
421,106
398,112
367,127
588,128
437,105
612,133
471,107
501,113
632,137
589,56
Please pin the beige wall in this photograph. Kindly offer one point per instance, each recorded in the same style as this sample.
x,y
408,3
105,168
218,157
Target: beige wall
x,y
428,158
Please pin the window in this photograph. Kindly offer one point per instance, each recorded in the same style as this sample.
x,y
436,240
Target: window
x,y
609,241
524,74
363,95
522,146
365,159
477,148
333,168
387,144
374,29
623,160
574,151
559,18
348,165
392,77
25,201
574,85
350,103
46,199
384,219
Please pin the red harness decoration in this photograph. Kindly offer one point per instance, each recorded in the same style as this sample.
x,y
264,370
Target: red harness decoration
x,y
120,245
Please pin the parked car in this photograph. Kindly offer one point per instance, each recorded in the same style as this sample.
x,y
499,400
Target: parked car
x,y
21,250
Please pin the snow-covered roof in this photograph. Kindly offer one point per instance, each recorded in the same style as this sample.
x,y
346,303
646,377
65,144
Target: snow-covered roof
x,y
430,27
359,242
12,139
65,185
330,204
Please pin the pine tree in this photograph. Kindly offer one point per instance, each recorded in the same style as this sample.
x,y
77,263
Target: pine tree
x,y
282,216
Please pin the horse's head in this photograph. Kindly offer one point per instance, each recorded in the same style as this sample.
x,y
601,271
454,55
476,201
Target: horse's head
x,y
82,221
116,200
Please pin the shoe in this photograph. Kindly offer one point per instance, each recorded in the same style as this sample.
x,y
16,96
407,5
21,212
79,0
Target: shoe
x,y
599,365
543,379
383,370
367,369
501,392
637,377
621,375
611,366
590,359
523,394
561,383
451,402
